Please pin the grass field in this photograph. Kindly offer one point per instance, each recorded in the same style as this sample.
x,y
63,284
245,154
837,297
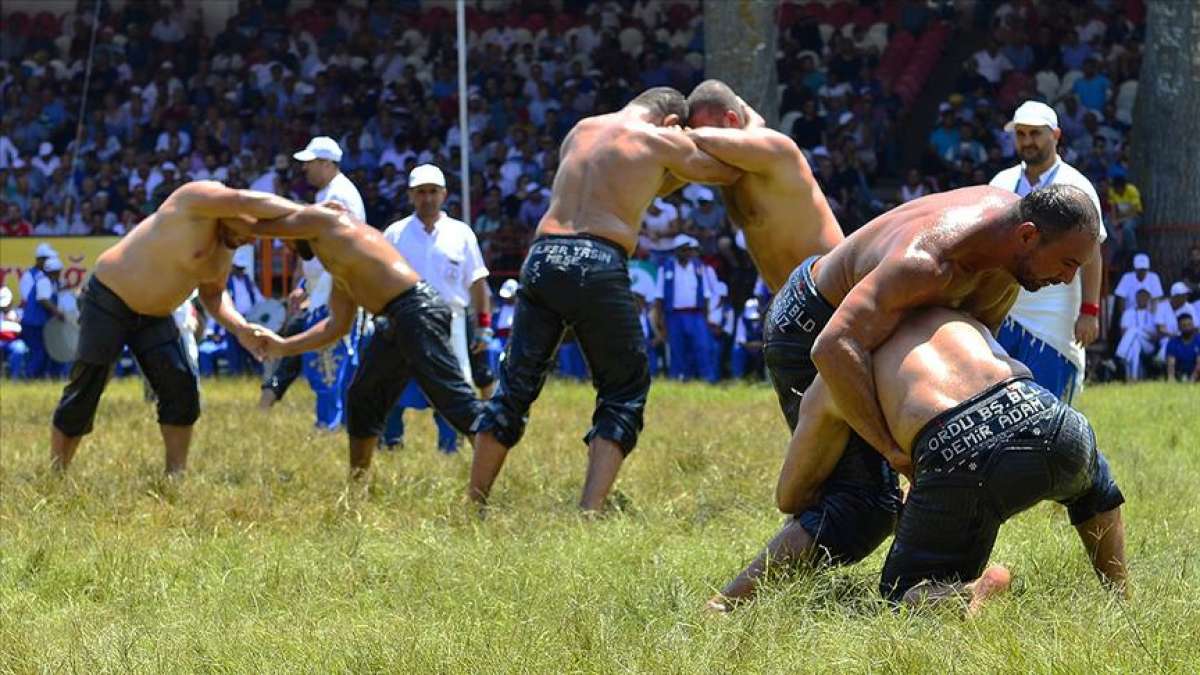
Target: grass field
x,y
264,560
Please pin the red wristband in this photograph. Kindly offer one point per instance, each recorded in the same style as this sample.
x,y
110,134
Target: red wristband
x,y
484,320
1090,309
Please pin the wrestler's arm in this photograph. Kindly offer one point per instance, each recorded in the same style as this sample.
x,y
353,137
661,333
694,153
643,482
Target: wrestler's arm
x,y
752,150
670,184
993,316
753,118
341,316
866,317
681,157
814,451
306,223
216,301
214,200
1103,537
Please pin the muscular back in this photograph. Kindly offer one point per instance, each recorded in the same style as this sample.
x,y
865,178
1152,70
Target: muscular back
x,y
362,263
935,360
157,265
609,172
933,227
782,211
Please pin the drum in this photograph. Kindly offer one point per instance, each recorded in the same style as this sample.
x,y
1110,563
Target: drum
x,y
268,313
62,339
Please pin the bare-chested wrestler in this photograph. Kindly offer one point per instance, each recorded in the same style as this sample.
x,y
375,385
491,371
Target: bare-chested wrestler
x,y
129,300
987,442
412,324
575,275
777,202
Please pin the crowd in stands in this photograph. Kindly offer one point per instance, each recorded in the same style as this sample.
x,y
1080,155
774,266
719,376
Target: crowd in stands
x,y
167,102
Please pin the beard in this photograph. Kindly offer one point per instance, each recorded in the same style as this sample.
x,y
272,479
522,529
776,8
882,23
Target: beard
x,y
1026,277
1034,155
304,249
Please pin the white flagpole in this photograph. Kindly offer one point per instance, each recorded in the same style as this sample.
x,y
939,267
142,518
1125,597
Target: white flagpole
x,y
464,134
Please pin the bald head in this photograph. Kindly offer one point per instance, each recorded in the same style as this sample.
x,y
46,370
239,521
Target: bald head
x,y
713,104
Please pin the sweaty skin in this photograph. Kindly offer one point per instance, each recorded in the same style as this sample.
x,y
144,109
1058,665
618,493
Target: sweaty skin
x,y
179,248
366,271
954,249
612,166
937,359
776,202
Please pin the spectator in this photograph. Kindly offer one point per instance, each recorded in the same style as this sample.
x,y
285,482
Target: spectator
x,y
534,206
1183,352
1191,275
1093,89
991,63
966,148
1140,278
809,129
914,186
946,135
28,280
1126,200
40,307
1138,334
14,223
684,286
660,224
1167,313
706,221
245,295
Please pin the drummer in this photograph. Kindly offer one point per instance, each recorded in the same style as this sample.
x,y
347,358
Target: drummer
x,y
40,307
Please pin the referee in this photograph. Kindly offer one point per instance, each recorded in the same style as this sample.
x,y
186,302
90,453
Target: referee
x,y
1048,329
329,370
446,254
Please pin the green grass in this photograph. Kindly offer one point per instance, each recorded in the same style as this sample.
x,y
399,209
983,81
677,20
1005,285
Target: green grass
x,y
263,560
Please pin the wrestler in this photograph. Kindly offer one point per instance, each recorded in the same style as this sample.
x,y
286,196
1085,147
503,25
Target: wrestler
x,y
987,442
575,276
129,300
412,323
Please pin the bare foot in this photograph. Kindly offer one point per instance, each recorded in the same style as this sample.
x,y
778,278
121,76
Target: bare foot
x,y
994,581
718,605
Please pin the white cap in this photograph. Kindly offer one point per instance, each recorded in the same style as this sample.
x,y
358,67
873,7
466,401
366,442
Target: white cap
x,y
702,194
508,289
45,149
750,309
845,118
320,147
1141,261
44,250
1034,114
6,296
53,265
169,166
426,174
1180,288
244,257
683,240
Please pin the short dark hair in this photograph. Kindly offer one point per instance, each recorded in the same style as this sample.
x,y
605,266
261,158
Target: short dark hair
x,y
663,101
1059,209
1184,315
713,95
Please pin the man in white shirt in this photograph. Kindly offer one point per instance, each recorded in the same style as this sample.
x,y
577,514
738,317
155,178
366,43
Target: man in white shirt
x,y
1167,313
328,370
1047,330
446,254
1140,278
1138,332
29,278
684,286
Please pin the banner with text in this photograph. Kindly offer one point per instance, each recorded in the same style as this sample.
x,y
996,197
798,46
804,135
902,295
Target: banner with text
x,y
78,255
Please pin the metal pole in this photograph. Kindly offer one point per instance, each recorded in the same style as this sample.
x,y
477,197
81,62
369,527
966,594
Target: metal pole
x,y
464,144
87,81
